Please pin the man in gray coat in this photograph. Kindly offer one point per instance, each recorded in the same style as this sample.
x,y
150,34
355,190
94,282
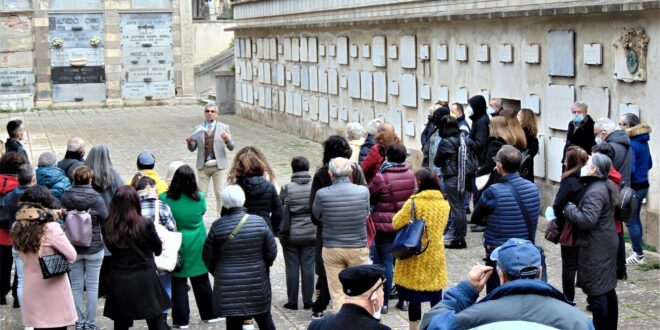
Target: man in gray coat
x,y
343,208
210,140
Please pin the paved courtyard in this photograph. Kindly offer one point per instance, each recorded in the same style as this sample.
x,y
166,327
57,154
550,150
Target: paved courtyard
x,y
162,130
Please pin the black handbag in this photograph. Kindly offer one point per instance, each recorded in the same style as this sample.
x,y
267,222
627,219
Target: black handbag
x,y
53,265
179,264
408,241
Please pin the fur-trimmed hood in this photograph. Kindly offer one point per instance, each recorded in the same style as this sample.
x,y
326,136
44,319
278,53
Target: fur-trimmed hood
x,y
640,129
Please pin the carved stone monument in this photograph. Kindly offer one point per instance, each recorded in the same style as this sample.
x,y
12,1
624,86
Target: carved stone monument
x,y
631,50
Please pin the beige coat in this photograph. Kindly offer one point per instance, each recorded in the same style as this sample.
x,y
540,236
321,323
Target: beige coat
x,y
48,303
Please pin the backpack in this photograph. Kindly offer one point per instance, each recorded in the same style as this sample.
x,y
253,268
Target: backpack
x,y
5,219
627,205
78,228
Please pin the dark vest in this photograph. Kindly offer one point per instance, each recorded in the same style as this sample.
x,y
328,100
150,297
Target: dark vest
x,y
208,145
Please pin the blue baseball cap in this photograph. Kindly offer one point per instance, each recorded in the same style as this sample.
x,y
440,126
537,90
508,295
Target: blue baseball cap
x,y
518,257
146,158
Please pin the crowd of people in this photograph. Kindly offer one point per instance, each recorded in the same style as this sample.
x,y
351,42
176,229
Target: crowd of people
x,y
339,223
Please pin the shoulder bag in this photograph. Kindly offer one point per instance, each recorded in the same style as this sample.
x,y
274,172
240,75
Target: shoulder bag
x,y
52,265
408,241
169,257
285,223
235,231
516,195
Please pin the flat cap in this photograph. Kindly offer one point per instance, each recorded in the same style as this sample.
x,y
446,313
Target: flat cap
x,y
357,280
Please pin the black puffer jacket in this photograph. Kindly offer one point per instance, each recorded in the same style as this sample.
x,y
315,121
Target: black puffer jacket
x,y
480,124
261,199
240,270
596,236
447,156
83,198
301,230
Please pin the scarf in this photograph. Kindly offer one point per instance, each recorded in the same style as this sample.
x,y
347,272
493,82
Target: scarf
x,y
462,161
387,164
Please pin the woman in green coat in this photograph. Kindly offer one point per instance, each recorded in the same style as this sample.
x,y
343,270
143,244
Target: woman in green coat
x,y
188,206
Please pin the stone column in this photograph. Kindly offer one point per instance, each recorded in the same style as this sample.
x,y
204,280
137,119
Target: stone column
x,y
113,52
184,54
41,54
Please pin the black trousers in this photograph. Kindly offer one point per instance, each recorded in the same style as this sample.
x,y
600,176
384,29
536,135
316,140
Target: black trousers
x,y
494,279
6,264
203,297
621,259
605,309
299,260
415,310
323,299
264,321
156,323
569,265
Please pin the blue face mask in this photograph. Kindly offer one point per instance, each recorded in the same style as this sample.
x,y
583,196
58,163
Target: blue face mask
x,y
578,118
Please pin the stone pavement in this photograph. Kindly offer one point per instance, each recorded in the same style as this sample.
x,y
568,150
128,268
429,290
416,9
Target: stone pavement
x,y
162,130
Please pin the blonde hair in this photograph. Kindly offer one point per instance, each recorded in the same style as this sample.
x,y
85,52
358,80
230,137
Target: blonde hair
x,y
519,140
528,121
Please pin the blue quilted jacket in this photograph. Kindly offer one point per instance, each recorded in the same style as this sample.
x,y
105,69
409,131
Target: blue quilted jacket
x,y
53,178
498,209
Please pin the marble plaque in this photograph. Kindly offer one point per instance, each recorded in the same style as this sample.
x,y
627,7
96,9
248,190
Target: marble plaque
x,y
280,48
295,75
241,46
16,101
249,48
561,53
409,90
281,101
625,108
394,88
322,50
506,53
532,53
13,77
151,3
462,95
313,79
250,94
260,48
540,159
312,47
342,50
409,128
532,102
354,50
443,53
408,48
265,50
366,51
238,91
343,81
280,74
70,4
394,118
558,101
273,48
425,92
323,81
380,86
64,56
343,114
392,52
334,112
76,30
366,85
324,109
288,103
332,50
354,115
287,49
598,100
593,54
83,75
90,92
442,93
297,104
267,72
249,71
424,52
305,105
260,72
354,84
461,53
555,154
332,82
295,49
378,59
152,30
314,108
483,53
304,51
304,78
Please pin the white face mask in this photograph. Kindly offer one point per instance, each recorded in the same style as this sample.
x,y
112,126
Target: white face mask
x,y
468,111
376,314
584,171
599,141
24,136
491,111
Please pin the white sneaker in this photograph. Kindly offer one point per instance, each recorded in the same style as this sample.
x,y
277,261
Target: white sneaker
x,y
181,326
217,319
635,259
248,326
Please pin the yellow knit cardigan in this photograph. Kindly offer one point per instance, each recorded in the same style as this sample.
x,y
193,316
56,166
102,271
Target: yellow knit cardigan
x,y
427,271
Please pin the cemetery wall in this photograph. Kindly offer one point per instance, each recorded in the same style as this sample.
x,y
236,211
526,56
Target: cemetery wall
x,y
311,76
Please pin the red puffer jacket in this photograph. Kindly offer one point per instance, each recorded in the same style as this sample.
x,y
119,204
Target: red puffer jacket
x,y
389,191
371,164
7,184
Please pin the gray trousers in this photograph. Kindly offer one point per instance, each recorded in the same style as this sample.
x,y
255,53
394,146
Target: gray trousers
x,y
457,226
299,259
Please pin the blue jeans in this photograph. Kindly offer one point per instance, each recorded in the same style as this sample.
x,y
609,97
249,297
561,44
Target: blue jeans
x,y
380,255
84,274
166,281
635,223
19,275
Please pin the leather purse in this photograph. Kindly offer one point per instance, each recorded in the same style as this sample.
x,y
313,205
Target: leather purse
x,y
53,265
566,237
552,233
408,241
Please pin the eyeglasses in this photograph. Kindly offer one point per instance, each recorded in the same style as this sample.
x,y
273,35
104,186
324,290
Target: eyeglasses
x,y
210,111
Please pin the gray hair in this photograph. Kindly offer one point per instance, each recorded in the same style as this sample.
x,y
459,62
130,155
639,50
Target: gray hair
x,y
630,119
602,163
582,105
354,131
372,125
210,104
605,124
171,169
75,144
46,159
232,196
98,160
339,167
25,174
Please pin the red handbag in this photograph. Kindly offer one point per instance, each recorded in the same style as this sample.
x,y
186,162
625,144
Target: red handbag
x,y
566,237
371,231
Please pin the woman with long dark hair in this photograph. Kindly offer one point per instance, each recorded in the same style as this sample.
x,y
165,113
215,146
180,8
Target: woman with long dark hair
x,y
528,124
570,190
46,303
134,291
188,206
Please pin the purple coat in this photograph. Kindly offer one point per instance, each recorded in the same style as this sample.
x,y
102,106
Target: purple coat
x,y
389,191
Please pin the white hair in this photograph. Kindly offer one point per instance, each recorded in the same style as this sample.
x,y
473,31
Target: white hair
x,y
75,144
232,196
210,104
354,131
582,105
372,125
339,167
47,159
171,169
605,124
